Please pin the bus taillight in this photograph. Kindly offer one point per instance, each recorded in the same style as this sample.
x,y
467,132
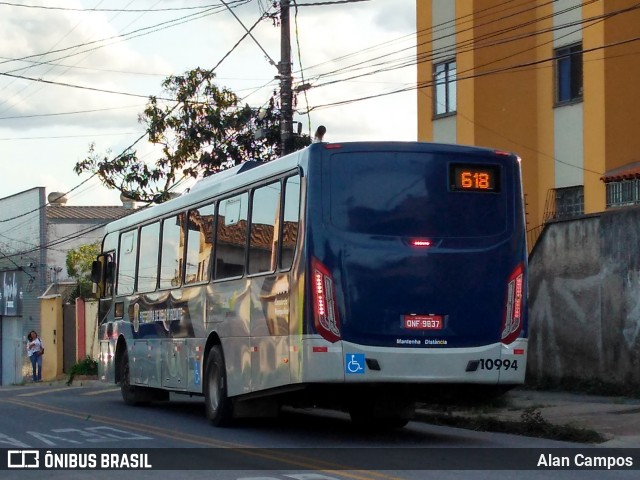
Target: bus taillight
x,y
325,309
512,323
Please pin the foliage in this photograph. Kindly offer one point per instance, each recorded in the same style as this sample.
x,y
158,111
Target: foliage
x,y
79,261
531,424
88,366
207,130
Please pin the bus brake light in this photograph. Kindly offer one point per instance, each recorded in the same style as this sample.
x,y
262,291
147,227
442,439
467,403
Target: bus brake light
x,y
420,242
325,309
512,323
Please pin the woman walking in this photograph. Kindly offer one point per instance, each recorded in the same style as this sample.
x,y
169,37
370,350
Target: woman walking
x,y
35,351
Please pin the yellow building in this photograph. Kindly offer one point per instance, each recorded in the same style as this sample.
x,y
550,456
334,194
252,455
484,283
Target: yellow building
x,y
557,82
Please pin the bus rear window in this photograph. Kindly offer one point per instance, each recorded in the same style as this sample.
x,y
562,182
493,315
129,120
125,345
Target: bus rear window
x,y
410,194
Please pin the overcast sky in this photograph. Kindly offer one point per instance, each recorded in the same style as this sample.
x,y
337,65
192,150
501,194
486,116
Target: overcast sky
x,y
46,128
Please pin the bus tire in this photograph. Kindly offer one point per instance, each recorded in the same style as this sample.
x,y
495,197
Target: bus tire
x,y
130,395
219,407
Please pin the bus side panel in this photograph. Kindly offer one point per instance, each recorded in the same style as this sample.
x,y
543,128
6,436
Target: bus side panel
x,y
269,331
237,357
513,363
228,315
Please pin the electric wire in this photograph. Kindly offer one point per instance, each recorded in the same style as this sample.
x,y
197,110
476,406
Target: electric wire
x,y
304,90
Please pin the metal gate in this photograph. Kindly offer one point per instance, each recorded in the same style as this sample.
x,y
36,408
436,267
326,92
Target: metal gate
x,y
68,337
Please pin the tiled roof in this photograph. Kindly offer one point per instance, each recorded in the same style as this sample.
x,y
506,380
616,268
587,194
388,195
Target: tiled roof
x,y
625,172
87,213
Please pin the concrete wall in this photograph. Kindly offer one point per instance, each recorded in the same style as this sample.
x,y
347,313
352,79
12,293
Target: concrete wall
x,y
584,298
13,349
20,239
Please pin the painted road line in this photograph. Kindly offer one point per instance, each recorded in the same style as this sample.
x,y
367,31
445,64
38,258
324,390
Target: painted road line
x,y
100,392
294,460
44,391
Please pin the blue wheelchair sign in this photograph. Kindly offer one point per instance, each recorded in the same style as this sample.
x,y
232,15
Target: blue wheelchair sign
x,y
354,363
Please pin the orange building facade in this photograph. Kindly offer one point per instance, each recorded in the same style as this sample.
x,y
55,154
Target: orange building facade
x,y
554,81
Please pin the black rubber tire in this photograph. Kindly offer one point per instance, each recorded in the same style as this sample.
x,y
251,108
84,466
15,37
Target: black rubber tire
x,y
219,407
129,394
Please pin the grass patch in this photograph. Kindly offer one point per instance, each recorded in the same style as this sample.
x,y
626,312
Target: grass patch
x,y
531,424
88,366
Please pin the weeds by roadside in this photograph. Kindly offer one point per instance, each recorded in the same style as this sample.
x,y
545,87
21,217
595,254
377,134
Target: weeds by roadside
x,y
88,366
531,424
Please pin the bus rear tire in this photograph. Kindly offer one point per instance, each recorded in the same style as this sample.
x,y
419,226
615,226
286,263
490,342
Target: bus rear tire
x,y
219,407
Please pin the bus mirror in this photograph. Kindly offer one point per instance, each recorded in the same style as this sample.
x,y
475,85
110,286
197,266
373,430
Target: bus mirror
x,y
96,271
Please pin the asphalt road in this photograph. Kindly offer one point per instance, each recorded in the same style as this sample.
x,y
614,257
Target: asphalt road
x,y
69,422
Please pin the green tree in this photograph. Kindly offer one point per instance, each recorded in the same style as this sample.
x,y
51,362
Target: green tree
x,y
79,262
206,131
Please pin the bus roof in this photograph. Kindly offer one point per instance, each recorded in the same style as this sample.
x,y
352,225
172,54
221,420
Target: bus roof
x,y
244,174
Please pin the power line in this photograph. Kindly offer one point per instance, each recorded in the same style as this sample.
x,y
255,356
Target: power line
x,y
475,75
409,61
70,136
271,61
76,112
119,10
303,84
80,87
133,34
335,2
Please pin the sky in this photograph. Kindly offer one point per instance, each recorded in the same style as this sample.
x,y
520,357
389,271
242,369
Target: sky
x,y
57,62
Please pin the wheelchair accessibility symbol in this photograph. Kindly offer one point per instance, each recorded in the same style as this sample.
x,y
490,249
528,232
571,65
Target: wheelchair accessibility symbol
x,y
354,363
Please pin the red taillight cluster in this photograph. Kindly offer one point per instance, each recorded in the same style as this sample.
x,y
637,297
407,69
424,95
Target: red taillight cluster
x,y
512,323
324,302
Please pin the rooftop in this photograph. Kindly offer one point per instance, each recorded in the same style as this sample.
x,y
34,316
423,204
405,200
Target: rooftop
x,y
87,213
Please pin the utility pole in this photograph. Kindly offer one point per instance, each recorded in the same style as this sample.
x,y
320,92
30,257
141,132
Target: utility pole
x,y
284,69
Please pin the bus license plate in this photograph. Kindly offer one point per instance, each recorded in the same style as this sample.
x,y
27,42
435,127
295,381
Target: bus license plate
x,y
423,322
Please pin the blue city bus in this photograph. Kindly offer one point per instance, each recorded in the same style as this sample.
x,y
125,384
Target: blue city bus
x,y
363,276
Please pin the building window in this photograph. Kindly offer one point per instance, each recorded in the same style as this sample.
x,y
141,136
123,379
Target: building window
x,y
444,80
623,193
569,202
568,74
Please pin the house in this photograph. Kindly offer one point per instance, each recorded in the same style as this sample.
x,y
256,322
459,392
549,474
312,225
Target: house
x,y
555,82
36,232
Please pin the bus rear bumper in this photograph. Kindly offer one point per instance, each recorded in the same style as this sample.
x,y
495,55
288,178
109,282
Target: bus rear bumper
x,y
495,364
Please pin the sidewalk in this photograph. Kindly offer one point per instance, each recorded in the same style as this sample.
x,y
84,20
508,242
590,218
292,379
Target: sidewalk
x,y
617,419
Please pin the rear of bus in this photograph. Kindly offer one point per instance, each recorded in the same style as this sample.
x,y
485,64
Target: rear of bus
x,y
417,268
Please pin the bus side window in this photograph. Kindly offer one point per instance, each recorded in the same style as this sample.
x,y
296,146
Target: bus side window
x,y
265,223
291,221
172,252
148,261
199,243
127,262
231,238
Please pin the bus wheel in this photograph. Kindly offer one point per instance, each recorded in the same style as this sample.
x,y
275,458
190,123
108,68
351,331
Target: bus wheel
x,y
219,407
129,394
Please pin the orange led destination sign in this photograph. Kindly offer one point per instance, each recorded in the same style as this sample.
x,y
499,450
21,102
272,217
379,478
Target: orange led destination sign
x,y
474,178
